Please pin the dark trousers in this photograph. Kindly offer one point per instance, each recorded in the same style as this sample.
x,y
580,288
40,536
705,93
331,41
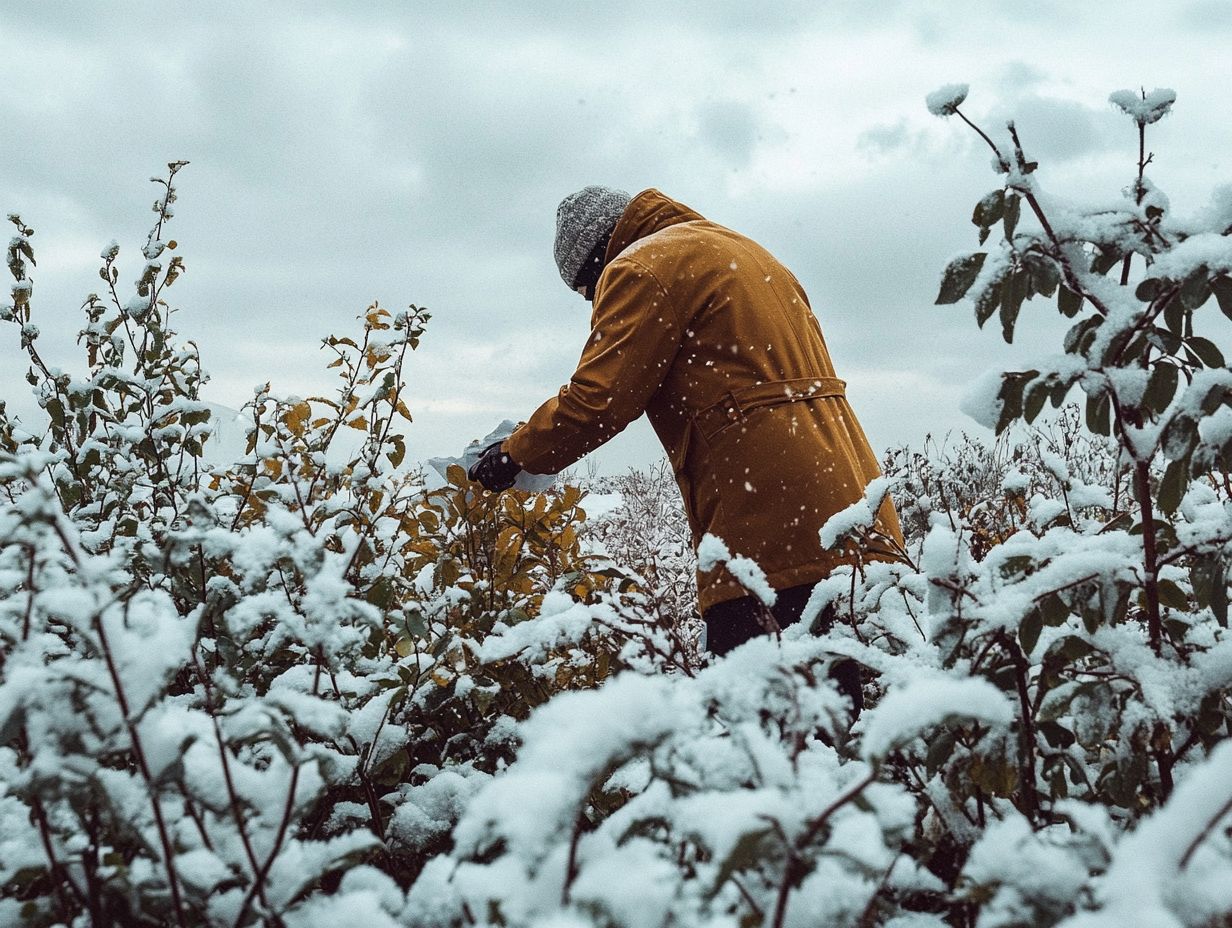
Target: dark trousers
x,y
732,623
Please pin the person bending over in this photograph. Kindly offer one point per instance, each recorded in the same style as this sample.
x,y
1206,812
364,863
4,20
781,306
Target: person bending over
x,y
710,336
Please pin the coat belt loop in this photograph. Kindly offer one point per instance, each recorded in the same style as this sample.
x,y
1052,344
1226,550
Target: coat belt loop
x,y
732,407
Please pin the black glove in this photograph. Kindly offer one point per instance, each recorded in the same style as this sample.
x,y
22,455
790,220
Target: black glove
x,y
495,469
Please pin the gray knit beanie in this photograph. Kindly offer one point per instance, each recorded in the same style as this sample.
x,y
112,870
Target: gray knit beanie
x,y
582,219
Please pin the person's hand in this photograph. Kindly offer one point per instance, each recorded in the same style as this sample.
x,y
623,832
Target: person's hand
x,y
495,469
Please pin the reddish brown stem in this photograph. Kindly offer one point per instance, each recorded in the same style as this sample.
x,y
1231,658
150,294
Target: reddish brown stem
x,y
1142,486
164,836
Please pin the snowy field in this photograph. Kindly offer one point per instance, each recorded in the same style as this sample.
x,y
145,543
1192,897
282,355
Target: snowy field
x,y
261,668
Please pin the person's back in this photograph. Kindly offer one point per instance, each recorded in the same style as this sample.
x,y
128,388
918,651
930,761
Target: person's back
x,y
706,332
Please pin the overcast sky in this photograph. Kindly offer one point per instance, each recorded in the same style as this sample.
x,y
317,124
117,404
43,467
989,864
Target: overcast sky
x,y
415,153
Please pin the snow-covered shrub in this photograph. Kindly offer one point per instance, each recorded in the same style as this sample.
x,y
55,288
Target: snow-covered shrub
x,y
648,532
989,487
1048,662
712,799
303,689
1091,585
235,695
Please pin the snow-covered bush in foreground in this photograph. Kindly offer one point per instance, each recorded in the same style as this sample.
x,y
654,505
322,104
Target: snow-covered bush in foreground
x,y
731,803
236,696
293,691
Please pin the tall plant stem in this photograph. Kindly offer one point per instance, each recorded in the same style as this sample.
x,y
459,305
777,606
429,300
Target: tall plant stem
x,y
233,799
1139,193
1026,733
793,870
59,877
258,884
1150,555
164,835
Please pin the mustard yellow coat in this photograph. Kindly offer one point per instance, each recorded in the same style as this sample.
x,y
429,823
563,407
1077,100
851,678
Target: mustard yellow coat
x,y
704,331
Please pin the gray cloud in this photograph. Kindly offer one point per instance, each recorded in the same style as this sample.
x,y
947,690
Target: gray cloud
x,y
1056,130
1205,15
1019,75
885,138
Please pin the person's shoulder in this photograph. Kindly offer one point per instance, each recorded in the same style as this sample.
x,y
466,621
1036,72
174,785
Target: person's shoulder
x,y
672,243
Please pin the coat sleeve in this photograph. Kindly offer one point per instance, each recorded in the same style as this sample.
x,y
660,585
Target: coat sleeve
x,y
635,336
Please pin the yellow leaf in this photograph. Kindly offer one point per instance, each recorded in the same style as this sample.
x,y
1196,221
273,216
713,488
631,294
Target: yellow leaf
x,y
508,541
359,422
296,418
404,647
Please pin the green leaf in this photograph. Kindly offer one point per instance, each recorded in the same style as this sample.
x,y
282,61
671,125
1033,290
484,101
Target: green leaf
x,y
1180,436
1033,404
1161,387
1053,611
1071,648
1219,598
1013,206
1055,733
1174,316
1202,574
988,212
1029,630
1099,418
1148,289
958,277
1010,397
381,593
1013,294
987,302
415,624
1204,349
1222,287
1069,302
748,852
1171,596
1164,340
1106,259
1172,485
940,750
1044,276
1090,620
1196,289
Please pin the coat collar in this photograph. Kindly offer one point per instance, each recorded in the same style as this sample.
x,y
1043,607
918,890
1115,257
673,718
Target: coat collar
x,y
647,213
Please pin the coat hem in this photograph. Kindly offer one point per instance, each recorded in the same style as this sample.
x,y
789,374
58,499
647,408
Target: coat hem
x,y
723,590
728,588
